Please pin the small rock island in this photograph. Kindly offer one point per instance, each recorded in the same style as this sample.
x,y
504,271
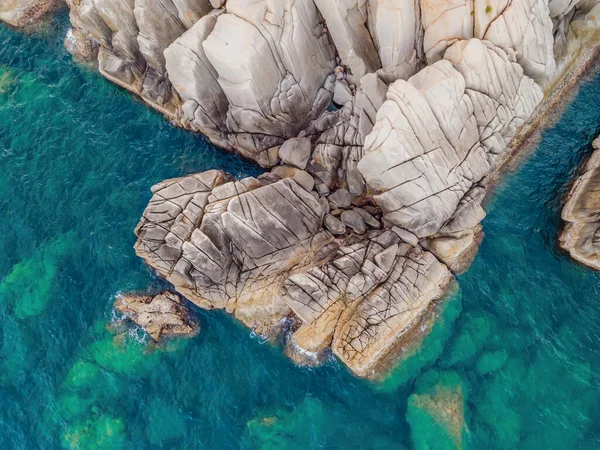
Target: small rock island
x,y
162,315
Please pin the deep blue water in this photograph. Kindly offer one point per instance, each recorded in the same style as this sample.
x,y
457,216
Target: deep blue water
x,y
77,159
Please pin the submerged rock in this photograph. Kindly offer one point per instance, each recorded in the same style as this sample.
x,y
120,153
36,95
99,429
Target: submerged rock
x,y
436,411
581,234
161,315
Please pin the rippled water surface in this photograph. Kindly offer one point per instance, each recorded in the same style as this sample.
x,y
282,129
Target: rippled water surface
x,y
77,158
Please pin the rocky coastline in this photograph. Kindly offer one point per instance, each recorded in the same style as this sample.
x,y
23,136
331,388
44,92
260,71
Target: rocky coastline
x,y
581,214
384,123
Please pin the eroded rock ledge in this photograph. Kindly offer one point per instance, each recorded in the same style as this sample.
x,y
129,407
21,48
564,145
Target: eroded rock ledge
x,y
581,233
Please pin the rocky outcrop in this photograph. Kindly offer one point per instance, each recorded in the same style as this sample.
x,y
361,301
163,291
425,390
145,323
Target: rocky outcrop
x,y
396,29
365,300
440,133
251,74
259,250
382,123
22,13
231,244
195,79
274,61
581,213
347,24
162,315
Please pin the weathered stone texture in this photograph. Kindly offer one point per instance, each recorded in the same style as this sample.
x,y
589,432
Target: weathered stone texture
x,y
162,315
581,234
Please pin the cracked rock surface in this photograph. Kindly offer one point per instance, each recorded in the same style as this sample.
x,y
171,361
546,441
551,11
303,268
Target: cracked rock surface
x,y
162,315
21,13
581,213
363,301
231,244
439,134
261,252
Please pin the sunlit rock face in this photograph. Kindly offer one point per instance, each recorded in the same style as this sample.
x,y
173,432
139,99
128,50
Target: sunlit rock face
x,y
363,302
230,244
274,61
581,213
439,134
396,29
347,24
22,13
520,26
381,121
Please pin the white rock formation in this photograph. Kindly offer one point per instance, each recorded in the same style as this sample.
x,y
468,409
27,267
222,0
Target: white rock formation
x,y
439,133
444,23
347,24
273,58
525,27
522,26
396,29
195,79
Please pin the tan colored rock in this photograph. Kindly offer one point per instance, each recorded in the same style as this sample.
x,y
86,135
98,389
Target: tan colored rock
x,y
231,244
371,331
581,234
456,251
363,301
20,13
162,315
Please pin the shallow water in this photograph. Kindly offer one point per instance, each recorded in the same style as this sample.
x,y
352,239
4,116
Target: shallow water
x,y
77,159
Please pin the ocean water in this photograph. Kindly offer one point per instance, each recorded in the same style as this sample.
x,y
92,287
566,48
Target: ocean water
x,y
516,348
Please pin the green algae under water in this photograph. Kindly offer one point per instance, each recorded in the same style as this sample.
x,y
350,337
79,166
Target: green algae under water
x,y
519,342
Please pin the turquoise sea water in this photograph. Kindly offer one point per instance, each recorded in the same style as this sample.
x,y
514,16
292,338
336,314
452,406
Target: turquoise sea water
x,y
520,340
